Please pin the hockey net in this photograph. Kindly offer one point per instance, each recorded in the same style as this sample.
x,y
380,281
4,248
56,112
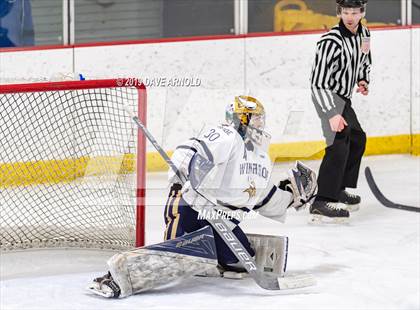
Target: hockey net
x,y
72,165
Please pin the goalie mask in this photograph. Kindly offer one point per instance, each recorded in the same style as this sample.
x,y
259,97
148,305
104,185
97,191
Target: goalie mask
x,y
247,115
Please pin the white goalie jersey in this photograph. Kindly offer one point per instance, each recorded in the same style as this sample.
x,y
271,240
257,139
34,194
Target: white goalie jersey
x,y
240,179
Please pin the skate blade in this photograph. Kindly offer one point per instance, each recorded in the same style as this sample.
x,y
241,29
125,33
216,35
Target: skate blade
x,y
104,291
317,219
233,275
350,208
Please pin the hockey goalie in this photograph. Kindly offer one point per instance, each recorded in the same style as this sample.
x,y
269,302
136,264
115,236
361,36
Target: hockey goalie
x,y
226,169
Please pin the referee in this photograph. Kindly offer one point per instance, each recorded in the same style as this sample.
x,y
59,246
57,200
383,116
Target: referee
x,y
342,61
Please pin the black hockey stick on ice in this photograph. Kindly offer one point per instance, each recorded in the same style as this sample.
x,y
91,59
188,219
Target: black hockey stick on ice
x,y
381,198
264,280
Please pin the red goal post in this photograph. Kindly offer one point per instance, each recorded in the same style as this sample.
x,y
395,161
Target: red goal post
x,y
25,110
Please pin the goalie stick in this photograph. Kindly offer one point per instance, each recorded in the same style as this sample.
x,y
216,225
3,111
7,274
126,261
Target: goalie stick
x,y
264,280
381,198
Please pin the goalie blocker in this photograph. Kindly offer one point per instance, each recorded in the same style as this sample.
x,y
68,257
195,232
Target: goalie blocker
x,y
145,268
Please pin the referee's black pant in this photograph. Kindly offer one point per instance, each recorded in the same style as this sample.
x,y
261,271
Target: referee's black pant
x,y
341,163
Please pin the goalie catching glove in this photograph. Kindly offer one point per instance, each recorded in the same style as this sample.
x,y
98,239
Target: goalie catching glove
x,y
302,184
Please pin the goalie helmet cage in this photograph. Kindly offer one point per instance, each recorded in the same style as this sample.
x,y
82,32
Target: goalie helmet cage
x,y
72,165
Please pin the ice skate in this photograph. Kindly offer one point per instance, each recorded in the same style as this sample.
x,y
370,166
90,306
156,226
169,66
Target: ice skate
x,y
349,202
105,286
327,212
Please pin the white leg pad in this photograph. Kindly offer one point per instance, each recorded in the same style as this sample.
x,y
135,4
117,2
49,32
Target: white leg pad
x,y
143,269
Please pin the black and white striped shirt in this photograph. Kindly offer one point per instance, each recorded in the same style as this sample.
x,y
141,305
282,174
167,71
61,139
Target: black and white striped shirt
x,y
341,61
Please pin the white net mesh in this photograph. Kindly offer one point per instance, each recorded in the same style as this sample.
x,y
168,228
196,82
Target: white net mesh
x,y
68,168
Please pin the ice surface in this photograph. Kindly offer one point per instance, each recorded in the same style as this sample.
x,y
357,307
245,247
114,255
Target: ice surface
x,y
371,263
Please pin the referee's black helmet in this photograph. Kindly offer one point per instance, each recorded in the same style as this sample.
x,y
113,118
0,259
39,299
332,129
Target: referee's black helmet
x,y
351,4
